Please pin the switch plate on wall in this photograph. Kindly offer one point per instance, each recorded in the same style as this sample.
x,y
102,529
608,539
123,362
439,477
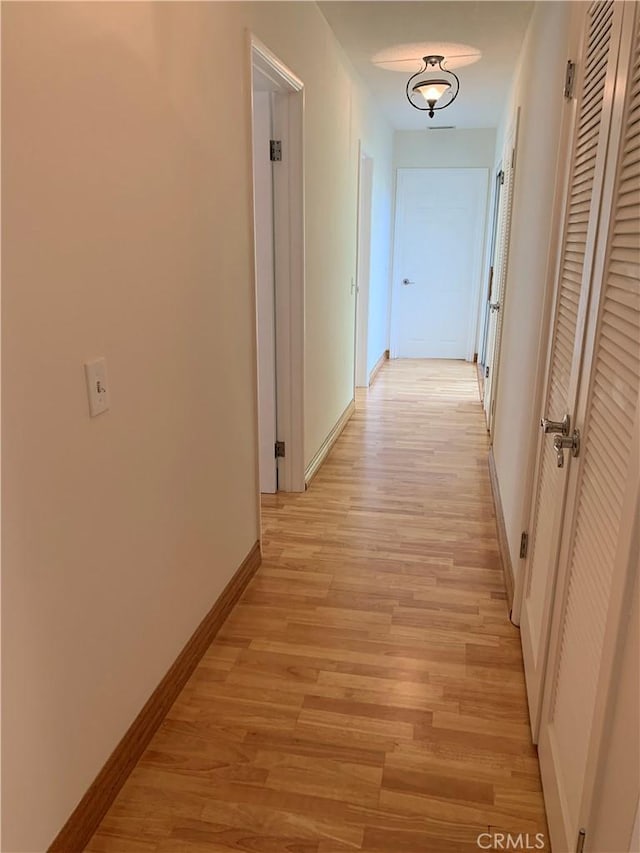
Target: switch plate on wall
x,y
97,386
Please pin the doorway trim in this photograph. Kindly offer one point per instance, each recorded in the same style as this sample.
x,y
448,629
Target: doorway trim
x,y
492,241
288,218
363,267
501,271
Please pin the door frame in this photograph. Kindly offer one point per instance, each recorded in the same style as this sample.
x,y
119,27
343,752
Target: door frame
x,y
289,232
262,132
509,161
472,330
492,233
363,266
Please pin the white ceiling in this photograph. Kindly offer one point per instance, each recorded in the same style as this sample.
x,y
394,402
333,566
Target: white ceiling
x,y
411,29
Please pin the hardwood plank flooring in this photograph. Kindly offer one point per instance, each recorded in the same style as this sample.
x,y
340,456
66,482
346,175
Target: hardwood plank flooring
x,y
367,692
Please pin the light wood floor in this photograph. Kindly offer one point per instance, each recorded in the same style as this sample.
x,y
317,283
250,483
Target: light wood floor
x,y
367,693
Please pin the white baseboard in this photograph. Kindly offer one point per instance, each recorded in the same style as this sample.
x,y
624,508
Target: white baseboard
x,y
327,444
376,367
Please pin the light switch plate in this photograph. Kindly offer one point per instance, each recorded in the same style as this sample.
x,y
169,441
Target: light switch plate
x,y
97,386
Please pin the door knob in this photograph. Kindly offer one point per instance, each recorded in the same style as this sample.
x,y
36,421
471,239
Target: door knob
x,y
570,442
562,426
406,281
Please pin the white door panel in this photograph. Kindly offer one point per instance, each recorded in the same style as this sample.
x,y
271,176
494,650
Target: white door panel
x,y
440,223
598,556
583,557
265,289
497,295
363,271
589,148
484,355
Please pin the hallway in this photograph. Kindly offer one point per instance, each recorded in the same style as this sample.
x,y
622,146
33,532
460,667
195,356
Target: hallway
x,y
367,693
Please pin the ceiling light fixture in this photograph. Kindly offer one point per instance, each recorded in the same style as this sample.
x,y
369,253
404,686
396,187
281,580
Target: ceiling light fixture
x,y
433,89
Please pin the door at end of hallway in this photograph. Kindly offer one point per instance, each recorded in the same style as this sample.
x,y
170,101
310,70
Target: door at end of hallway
x,y
437,266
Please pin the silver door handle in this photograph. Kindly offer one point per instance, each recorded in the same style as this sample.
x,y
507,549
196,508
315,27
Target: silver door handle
x,y
570,442
562,426
494,306
406,281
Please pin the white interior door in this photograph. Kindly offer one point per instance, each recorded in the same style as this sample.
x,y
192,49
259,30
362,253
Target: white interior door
x,y
596,73
493,302
499,278
265,288
615,811
439,236
485,314
365,192
598,562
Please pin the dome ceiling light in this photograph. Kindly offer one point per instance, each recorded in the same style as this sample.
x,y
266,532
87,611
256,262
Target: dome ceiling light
x,y
433,87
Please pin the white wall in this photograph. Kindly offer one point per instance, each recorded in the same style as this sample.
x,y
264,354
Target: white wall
x,y
380,264
378,144
538,91
444,149
128,233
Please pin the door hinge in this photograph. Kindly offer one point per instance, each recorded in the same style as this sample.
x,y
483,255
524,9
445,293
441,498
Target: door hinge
x,y
524,544
279,449
275,150
569,79
501,176
582,835
513,158
486,372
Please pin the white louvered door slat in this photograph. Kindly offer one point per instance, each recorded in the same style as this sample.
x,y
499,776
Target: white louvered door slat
x,y
596,557
596,73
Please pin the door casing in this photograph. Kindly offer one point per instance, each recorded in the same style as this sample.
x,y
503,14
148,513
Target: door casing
x,y
288,217
491,258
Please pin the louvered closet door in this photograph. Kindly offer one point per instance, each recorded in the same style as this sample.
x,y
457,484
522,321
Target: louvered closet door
x,y
597,559
596,74
498,283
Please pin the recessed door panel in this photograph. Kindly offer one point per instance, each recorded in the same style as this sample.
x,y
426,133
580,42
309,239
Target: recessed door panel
x,y
440,218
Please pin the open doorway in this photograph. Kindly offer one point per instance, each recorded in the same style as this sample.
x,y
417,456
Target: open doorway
x,y
265,284
365,192
277,115
483,360
497,293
